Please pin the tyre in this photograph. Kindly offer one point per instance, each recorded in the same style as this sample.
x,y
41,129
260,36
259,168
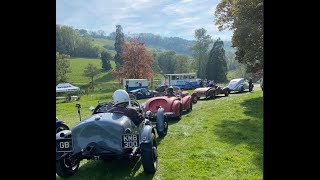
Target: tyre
x,y
190,107
227,92
194,99
241,89
66,167
163,133
149,155
180,112
62,127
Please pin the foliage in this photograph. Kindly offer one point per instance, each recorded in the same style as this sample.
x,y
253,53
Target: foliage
x,y
245,19
105,61
62,67
91,71
167,61
118,46
241,71
137,60
216,68
200,50
69,41
182,64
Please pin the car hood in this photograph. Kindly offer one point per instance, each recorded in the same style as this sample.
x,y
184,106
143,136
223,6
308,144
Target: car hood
x,y
105,129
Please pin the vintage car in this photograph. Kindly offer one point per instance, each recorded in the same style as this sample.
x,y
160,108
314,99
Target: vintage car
x,y
142,93
60,125
105,135
161,88
238,85
173,105
210,92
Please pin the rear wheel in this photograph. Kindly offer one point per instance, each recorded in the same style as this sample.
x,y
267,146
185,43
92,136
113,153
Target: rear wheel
x,y
190,107
227,92
180,112
149,156
241,89
66,167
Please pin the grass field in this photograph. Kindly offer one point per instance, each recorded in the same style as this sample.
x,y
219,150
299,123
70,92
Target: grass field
x,y
220,139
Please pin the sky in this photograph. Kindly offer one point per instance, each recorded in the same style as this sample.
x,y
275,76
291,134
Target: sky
x,y
170,18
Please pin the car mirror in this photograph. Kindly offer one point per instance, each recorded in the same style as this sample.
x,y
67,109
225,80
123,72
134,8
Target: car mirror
x,y
91,108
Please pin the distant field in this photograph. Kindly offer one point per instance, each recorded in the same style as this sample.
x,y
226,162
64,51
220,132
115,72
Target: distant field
x,y
78,65
102,42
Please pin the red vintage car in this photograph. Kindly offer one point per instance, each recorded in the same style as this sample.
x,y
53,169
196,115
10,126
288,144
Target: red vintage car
x,y
210,92
173,105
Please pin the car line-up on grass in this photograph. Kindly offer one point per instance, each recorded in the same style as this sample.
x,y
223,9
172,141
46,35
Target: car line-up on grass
x,y
105,135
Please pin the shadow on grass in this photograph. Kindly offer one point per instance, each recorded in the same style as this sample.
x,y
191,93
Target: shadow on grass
x,y
254,107
243,131
208,99
115,169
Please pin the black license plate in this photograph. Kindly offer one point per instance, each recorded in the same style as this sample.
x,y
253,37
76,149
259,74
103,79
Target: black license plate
x,y
64,145
130,140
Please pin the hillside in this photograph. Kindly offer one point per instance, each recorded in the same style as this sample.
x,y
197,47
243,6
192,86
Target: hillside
x,y
158,43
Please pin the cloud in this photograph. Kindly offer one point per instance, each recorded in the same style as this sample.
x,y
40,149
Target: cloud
x,y
163,17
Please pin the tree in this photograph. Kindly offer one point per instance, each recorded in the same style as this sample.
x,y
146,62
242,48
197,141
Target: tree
x,y
245,19
155,65
118,46
216,68
200,50
137,60
62,67
105,61
91,71
167,61
182,64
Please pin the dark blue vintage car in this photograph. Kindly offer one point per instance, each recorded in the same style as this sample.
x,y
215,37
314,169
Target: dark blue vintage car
x,y
142,93
106,135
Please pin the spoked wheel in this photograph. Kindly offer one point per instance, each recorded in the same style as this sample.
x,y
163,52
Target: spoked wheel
x,y
66,167
180,112
149,155
190,107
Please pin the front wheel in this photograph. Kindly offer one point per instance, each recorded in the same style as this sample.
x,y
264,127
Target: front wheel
x,y
164,132
227,92
66,167
149,155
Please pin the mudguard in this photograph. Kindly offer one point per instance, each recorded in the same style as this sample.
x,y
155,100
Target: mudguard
x,y
146,134
58,122
160,119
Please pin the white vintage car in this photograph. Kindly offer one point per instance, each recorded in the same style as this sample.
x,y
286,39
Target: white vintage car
x,y
238,85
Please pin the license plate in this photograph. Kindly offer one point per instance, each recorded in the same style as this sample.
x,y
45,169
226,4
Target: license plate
x,y
64,145
130,140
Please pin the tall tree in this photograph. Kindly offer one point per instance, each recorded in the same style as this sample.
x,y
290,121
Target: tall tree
x,y
91,71
216,68
167,61
182,64
105,61
137,60
200,50
118,45
62,67
245,19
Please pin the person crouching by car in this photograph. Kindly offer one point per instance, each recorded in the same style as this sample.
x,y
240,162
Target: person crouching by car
x,y
122,105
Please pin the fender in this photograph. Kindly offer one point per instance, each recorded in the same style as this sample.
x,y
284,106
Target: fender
x,y
160,119
59,122
175,107
146,134
63,134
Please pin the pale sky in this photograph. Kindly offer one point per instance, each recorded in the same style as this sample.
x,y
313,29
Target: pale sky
x,y
170,18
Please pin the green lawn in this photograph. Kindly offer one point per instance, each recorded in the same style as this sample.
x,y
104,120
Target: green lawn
x,y
220,139
77,67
